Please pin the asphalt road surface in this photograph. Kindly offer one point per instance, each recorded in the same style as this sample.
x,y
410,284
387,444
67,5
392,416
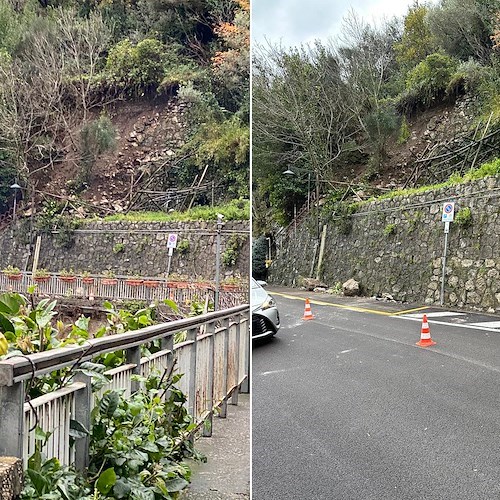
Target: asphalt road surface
x,y
346,406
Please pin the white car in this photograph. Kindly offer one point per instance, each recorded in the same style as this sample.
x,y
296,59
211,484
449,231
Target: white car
x,y
265,315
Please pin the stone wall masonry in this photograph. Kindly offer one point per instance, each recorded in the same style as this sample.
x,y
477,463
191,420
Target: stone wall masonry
x,y
395,246
130,248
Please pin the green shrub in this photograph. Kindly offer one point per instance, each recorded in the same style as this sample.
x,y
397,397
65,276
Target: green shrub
x,y
389,229
430,78
404,131
464,217
183,247
467,78
136,67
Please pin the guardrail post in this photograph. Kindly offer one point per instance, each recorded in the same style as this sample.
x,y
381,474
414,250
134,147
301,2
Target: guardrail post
x,y
207,427
133,356
167,344
83,407
12,420
192,335
245,385
234,396
225,368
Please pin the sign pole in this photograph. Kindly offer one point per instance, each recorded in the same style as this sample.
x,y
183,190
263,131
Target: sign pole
x,y
170,253
446,231
447,216
171,244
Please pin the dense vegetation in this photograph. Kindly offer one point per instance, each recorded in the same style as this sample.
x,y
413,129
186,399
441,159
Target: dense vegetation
x,y
318,109
62,62
137,443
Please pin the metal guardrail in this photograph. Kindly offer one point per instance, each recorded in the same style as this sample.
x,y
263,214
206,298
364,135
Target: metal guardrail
x,y
214,358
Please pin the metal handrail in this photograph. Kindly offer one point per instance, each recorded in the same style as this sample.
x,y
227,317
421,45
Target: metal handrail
x,y
15,369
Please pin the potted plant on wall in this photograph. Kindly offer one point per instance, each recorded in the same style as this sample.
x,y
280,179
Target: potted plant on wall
x,y
67,276
13,273
87,279
136,280
41,275
152,283
176,280
231,284
109,278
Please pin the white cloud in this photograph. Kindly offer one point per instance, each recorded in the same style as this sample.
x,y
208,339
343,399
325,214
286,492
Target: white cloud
x,y
294,22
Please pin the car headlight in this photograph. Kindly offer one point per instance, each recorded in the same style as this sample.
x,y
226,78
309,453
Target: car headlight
x,y
269,302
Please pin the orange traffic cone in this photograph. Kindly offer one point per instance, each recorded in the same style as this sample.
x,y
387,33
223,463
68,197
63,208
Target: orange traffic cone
x,y
425,335
307,311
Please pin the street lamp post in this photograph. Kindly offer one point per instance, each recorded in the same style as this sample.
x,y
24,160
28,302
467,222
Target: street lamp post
x,y
15,187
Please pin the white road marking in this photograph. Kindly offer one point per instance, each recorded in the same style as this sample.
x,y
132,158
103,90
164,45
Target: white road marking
x,y
273,372
491,324
465,325
438,314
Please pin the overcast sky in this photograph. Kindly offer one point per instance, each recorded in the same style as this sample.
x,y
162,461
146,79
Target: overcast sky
x,y
293,22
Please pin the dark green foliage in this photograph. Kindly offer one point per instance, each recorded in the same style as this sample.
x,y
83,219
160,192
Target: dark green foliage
x,y
259,255
140,67
426,83
463,27
140,441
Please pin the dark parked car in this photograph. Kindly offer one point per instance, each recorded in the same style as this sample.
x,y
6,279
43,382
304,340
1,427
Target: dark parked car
x,y
265,316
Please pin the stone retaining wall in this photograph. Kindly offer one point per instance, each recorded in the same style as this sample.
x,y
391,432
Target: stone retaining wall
x,y
395,246
130,248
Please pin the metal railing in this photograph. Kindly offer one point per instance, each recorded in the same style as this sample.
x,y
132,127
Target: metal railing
x,y
214,358
122,288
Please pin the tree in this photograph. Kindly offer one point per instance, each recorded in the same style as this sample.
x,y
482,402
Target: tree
x,y
463,27
417,41
259,251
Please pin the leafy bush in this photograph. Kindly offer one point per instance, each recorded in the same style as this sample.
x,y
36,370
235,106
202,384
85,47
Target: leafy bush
x,y
430,78
404,131
467,78
464,217
142,66
137,443
389,229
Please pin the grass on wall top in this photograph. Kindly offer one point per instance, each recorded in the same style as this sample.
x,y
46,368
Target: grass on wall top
x,y
234,210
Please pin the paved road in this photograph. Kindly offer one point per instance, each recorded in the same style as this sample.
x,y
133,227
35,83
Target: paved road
x,y
347,407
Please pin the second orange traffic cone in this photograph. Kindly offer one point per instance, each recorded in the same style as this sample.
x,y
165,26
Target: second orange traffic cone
x,y
425,335
307,311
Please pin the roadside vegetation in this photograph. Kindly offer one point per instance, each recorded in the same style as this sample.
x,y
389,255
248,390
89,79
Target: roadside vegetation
x,y
63,64
138,444
321,109
234,210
